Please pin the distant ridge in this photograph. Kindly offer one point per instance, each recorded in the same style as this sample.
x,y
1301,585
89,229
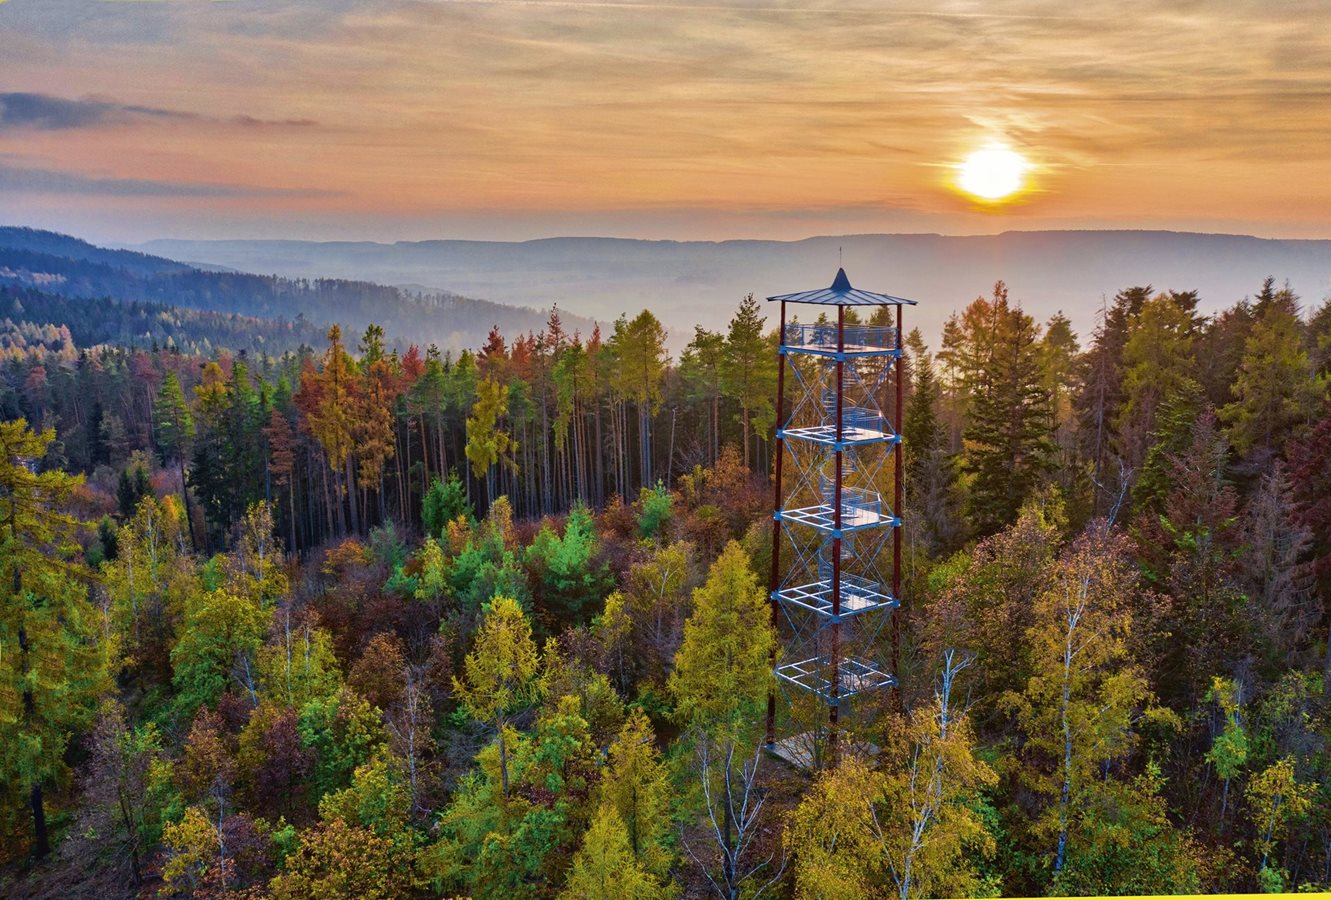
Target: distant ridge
x,y
688,282
67,266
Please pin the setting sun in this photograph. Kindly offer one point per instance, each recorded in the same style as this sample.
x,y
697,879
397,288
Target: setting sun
x,y
992,173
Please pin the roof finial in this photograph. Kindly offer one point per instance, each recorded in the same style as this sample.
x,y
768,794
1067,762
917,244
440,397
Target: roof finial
x,y
839,261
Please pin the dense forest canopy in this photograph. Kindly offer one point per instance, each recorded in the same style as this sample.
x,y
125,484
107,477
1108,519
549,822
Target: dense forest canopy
x,y
367,619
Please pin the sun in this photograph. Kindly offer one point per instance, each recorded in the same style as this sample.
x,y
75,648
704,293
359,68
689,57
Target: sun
x,y
992,173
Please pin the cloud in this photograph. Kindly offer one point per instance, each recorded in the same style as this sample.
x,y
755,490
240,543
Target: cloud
x,y
1200,108
252,122
44,112
25,180
47,113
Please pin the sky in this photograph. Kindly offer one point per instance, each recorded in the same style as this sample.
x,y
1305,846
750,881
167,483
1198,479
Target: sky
x,y
125,120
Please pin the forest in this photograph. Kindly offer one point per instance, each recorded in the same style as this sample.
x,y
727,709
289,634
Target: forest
x,y
371,619
134,299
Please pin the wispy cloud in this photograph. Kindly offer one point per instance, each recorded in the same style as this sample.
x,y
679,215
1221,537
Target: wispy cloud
x,y
44,112
1204,110
26,180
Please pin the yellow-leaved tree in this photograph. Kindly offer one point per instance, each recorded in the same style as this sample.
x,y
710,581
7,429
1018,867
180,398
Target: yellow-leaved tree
x,y
913,829
499,674
636,785
53,666
1276,800
1079,714
722,674
605,868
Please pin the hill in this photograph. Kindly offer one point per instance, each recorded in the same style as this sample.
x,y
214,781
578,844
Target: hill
x,y
36,321
66,266
700,282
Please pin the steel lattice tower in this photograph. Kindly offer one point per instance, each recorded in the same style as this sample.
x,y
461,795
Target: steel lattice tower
x,y
836,590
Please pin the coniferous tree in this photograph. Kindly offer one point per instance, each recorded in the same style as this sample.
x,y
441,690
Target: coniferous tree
x,y
1101,397
282,465
53,666
1187,549
1219,349
1058,364
1319,340
1274,391
174,431
488,444
1158,370
605,868
748,369
373,421
1310,470
640,347
330,416
720,683
930,471
1274,572
700,368
208,473
1008,435
636,786
499,675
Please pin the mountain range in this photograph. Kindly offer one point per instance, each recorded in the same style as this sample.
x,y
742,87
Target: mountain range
x,y
126,295
701,282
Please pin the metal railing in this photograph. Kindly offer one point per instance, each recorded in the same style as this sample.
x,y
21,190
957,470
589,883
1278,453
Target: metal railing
x,y
823,336
856,503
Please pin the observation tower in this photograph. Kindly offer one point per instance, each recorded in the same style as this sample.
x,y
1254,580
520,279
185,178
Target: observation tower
x,y
836,525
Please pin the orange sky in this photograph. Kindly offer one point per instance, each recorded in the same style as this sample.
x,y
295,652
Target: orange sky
x,y
385,119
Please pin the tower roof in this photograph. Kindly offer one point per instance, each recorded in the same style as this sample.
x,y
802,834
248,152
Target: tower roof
x,y
842,294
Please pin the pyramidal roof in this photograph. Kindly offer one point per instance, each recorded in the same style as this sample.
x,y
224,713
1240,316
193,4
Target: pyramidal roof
x,y
842,294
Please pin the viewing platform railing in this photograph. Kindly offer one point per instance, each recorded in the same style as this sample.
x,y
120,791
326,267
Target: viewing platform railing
x,y
821,337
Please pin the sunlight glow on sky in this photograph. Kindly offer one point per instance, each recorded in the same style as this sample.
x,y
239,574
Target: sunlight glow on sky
x,y
993,174
409,119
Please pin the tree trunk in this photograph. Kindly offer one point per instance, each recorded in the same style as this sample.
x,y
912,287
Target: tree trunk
x,y
503,760
352,497
328,502
600,482
1066,792
716,426
184,495
727,858
425,457
42,843
291,496
746,436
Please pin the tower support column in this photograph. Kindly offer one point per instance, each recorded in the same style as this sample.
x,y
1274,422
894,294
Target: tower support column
x,y
896,511
835,662
775,580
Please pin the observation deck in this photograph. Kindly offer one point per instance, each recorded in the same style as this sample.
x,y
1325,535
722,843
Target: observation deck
x,y
858,595
821,339
854,676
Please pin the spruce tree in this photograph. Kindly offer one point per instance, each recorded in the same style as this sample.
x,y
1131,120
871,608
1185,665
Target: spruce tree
x,y
1274,391
173,426
930,473
1009,435
1158,372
